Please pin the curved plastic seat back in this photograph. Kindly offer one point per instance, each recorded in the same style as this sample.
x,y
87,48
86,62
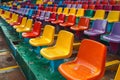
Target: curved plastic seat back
x,y
79,6
85,6
37,27
47,15
28,24
71,19
114,18
72,11
108,7
99,14
86,66
48,33
65,11
59,11
54,9
92,6
84,22
69,5
89,13
15,18
80,12
74,6
99,6
24,21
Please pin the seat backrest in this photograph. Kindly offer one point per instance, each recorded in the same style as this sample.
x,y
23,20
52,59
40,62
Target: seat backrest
x,y
53,16
15,18
42,14
37,27
115,17
65,11
38,12
108,7
65,41
84,22
72,11
99,6
69,5
48,33
29,23
61,17
79,6
47,15
99,25
89,13
117,76
99,14
116,29
85,6
54,9
74,6
19,19
59,11
24,20
80,12
71,19
93,54
92,6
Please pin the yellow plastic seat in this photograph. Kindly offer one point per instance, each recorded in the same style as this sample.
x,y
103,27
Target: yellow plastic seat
x,y
117,77
113,16
80,12
3,15
14,19
27,26
59,11
72,11
99,14
13,14
65,11
7,14
24,20
62,49
47,37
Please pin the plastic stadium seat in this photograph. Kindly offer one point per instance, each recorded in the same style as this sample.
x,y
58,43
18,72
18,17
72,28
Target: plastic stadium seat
x,y
82,25
42,15
79,6
52,17
60,19
111,18
85,66
74,6
47,37
105,2
99,6
91,6
108,8
70,21
14,19
24,20
98,28
85,6
116,7
35,31
117,76
36,15
72,11
99,14
69,5
54,9
19,20
114,38
65,11
60,50
27,26
114,35
10,19
89,13
80,12
112,2
59,11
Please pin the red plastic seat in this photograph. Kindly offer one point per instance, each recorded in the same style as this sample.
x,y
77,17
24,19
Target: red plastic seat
x,y
82,25
35,31
92,6
89,63
18,21
52,17
54,9
85,6
60,19
70,21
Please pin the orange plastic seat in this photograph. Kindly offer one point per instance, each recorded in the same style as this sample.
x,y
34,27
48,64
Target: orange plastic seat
x,y
89,63
70,21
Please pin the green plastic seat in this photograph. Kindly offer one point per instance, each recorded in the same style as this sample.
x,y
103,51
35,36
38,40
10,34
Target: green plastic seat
x,y
89,13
